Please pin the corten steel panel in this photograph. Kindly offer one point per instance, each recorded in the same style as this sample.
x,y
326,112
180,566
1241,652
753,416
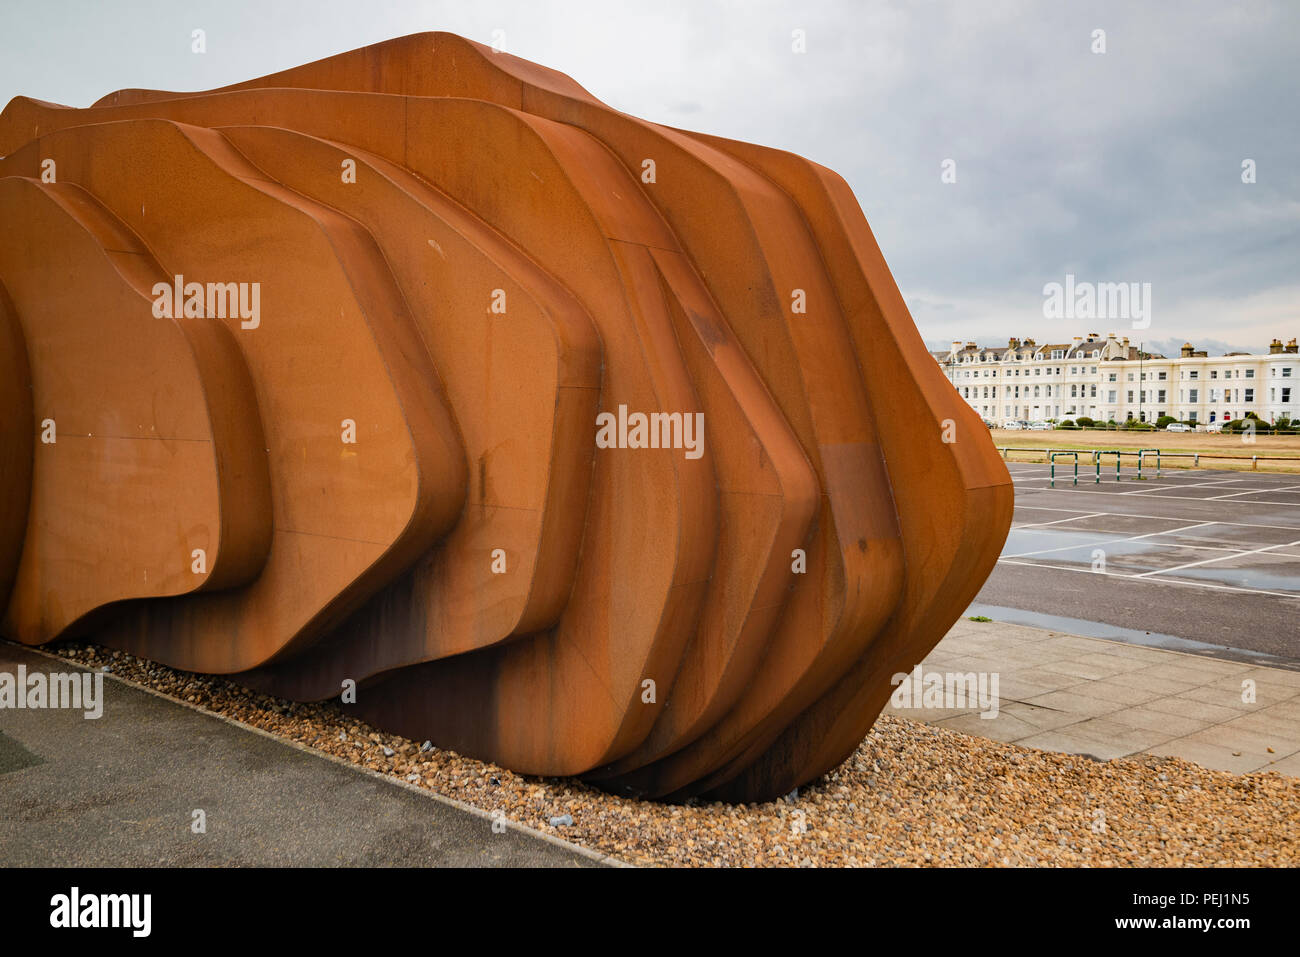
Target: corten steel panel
x,y
332,343
495,271
17,436
123,491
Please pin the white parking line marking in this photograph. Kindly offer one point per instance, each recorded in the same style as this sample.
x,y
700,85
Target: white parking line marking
x,y
1206,561
1258,491
1158,581
1148,488
1201,545
1059,521
1159,518
1120,541
1179,498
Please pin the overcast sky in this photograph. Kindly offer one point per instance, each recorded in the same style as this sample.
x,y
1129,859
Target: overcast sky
x,y
1122,166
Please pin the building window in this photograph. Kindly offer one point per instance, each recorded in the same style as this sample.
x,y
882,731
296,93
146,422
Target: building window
x,y
1193,395
1162,376
1130,394
1286,395
1113,377
1111,396
1250,373
1250,395
1286,372
1193,374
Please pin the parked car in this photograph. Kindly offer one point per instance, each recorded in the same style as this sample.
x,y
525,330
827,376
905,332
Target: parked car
x,y
1013,425
1214,427
1179,427
1039,427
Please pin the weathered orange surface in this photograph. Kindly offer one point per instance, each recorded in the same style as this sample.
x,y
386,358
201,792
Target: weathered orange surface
x,y
462,255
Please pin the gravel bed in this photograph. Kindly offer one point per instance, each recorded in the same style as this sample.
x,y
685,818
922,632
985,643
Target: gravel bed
x,y
911,795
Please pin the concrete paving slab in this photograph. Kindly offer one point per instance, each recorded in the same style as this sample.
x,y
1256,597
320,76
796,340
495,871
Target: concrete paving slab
x,y
1110,699
1265,722
1121,694
1163,686
1052,680
1037,717
1112,664
1062,740
1149,720
1235,685
1265,745
1015,688
1076,703
1189,708
1290,766
1209,755
1229,697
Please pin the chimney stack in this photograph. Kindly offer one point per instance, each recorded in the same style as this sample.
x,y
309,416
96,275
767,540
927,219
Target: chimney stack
x,y
1275,347
1187,350
1013,343
1291,346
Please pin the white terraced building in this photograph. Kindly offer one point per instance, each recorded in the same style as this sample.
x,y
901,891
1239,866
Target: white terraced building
x,y
1109,379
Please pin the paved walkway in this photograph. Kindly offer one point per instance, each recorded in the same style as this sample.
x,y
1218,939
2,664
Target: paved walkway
x,y
121,790
1108,699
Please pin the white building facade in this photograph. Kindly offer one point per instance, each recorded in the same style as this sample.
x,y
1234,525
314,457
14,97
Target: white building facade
x,y
1109,379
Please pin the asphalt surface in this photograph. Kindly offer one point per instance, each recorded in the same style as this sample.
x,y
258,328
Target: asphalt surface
x,y
1210,556
121,790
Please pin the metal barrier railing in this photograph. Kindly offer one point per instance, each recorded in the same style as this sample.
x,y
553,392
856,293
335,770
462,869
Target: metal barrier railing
x,y
1052,459
1096,457
1143,452
1160,455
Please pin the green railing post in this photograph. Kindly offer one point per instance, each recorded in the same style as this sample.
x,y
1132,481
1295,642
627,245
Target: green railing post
x,y
1115,452
1052,459
1141,453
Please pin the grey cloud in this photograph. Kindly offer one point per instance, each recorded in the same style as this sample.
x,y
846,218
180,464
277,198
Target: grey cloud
x,y
1116,167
